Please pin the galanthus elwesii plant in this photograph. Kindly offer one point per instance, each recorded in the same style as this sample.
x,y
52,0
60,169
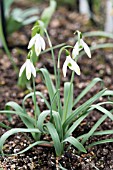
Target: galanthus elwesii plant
x,y
64,117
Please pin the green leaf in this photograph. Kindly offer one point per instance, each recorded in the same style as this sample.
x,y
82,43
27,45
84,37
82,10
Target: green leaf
x,y
105,132
108,93
62,168
82,108
76,143
7,6
13,131
41,119
76,124
93,129
68,100
55,137
103,110
31,146
38,94
98,33
50,87
18,13
4,126
30,20
100,142
48,12
31,120
52,48
18,108
87,89
6,47
58,124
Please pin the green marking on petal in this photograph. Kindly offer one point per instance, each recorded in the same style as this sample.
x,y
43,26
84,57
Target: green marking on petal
x,y
69,64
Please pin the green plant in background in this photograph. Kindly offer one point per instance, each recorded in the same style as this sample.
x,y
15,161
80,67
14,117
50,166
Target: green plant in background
x,y
63,117
18,18
45,17
3,38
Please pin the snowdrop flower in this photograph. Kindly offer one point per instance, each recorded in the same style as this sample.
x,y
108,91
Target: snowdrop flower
x,y
28,65
79,46
38,42
71,64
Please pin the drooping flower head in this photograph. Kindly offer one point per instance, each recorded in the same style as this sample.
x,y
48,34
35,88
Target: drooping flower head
x,y
38,43
80,44
30,69
69,62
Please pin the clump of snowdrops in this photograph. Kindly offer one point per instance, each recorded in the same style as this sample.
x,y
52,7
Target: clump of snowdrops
x,y
63,118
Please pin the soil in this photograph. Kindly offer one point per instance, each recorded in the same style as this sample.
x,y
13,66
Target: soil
x,y
61,29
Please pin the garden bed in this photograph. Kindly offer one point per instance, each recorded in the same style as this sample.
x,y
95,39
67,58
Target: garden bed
x,y
61,29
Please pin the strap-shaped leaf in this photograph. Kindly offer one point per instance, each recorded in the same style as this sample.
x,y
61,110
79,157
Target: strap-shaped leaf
x,y
31,120
76,143
105,132
76,124
93,129
50,87
4,126
55,137
13,131
39,94
14,106
31,146
48,12
68,100
82,108
58,124
41,119
108,93
100,142
98,33
85,91
103,110
18,108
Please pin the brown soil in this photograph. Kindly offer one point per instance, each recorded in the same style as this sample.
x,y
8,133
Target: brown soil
x,y
61,29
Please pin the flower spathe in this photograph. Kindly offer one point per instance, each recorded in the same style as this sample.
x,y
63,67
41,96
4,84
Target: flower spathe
x,y
69,62
79,46
38,42
30,69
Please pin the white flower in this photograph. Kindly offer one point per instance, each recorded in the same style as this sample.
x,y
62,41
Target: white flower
x,y
71,64
38,42
79,46
29,69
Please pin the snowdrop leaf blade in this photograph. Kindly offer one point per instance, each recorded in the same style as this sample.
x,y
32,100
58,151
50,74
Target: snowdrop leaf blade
x,y
86,49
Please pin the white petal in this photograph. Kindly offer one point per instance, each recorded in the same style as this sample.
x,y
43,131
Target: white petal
x,y
74,66
64,69
75,51
33,71
86,48
42,42
28,69
37,47
32,41
22,69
